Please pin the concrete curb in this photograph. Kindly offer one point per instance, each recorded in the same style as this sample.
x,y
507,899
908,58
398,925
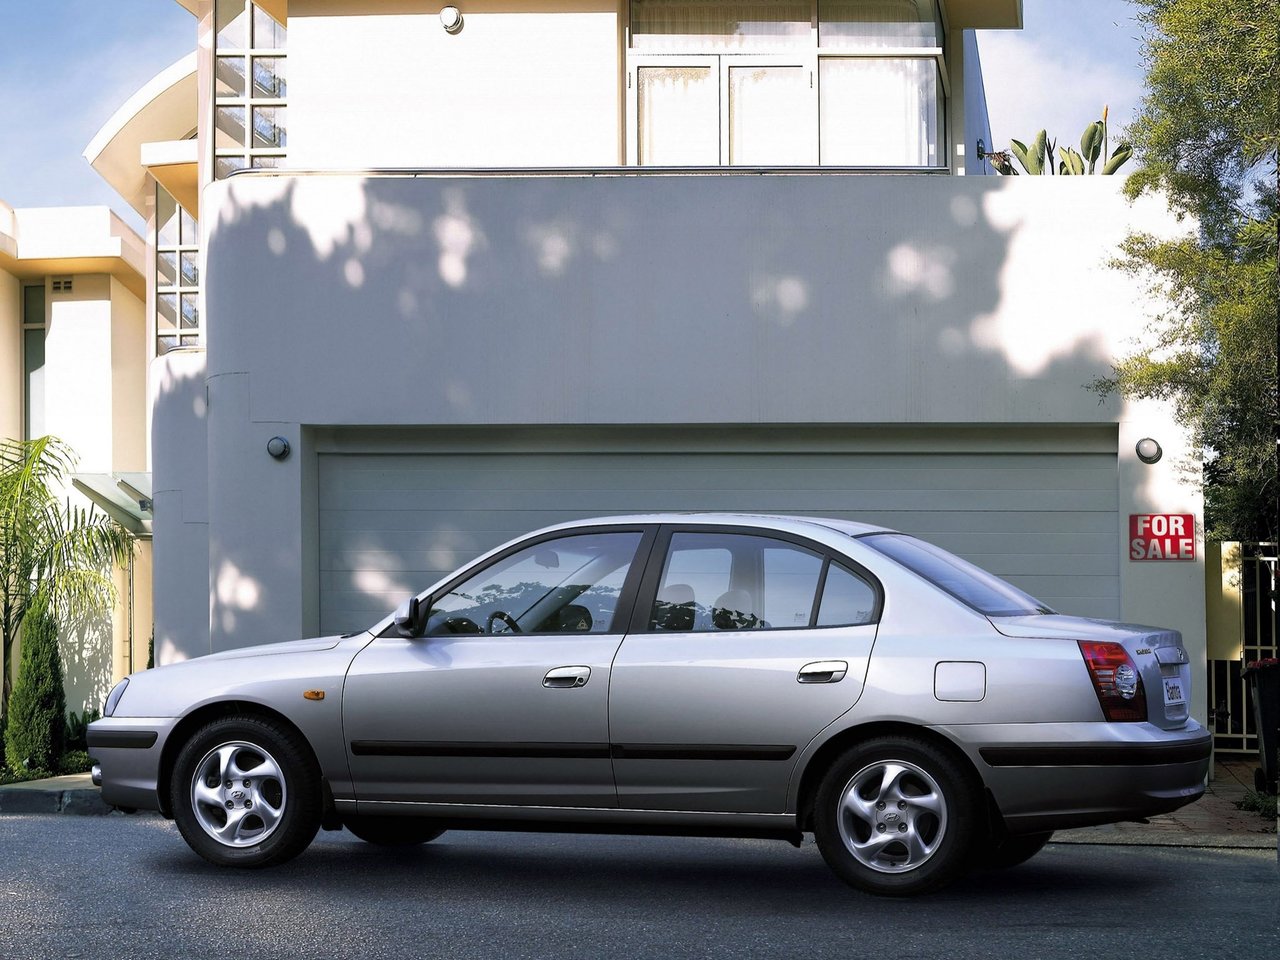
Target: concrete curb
x,y
1218,841
78,801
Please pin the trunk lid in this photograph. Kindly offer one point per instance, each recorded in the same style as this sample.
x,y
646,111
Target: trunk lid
x,y
1158,653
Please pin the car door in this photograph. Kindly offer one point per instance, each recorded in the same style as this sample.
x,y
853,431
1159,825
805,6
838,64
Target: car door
x,y
504,699
744,645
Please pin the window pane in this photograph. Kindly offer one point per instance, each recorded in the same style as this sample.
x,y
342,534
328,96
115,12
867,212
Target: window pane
x,y
269,127
691,25
846,599
879,112
167,268
33,382
190,269
189,232
721,581
190,310
166,312
33,304
267,162
165,344
229,77
568,585
267,33
229,127
790,585
269,77
166,219
679,111
983,591
225,166
879,23
230,22
768,119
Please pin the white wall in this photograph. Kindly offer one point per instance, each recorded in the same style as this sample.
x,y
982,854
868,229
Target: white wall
x,y
524,83
342,300
10,355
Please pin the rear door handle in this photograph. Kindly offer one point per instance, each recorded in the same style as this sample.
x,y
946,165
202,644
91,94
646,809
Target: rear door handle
x,y
823,671
567,677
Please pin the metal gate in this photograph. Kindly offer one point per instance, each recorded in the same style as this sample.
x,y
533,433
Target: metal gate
x,y
1230,703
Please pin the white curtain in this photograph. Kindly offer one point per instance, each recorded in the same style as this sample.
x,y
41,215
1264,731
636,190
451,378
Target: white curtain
x,y
712,26
879,112
846,24
768,121
678,114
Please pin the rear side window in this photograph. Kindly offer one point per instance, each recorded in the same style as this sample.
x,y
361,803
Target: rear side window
x,y
847,599
971,585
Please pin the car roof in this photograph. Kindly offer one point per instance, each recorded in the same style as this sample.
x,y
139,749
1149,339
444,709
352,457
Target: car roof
x,y
794,524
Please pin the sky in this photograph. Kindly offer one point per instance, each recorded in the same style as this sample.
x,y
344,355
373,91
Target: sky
x,y
67,65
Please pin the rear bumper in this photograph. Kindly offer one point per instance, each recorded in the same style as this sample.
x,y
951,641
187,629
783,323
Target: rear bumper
x,y
128,751
1057,776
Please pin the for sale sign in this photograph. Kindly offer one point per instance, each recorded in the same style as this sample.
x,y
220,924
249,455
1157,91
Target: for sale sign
x,y
1162,536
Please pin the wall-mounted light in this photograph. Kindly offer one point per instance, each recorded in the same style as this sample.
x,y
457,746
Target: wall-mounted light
x,y
451,19
1148,450
278,447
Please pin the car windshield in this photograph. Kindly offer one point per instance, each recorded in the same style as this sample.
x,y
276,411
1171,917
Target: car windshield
x,y
986,593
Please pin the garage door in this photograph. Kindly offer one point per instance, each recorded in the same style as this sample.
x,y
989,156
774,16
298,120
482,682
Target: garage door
x,y
390,523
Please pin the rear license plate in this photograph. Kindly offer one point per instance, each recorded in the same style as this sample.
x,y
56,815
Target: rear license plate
x,y
1173,691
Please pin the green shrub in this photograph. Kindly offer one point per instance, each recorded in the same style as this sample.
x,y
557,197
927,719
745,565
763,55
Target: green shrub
x,y
34,734
74,761
78,729
1263,803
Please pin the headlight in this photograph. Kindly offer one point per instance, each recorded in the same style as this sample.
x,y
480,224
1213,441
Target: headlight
x,y
113,698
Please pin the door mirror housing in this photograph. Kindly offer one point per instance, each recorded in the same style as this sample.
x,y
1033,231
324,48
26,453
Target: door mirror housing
x,y
408,617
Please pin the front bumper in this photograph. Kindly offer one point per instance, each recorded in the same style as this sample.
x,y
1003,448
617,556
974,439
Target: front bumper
x,y
127,751
1047,776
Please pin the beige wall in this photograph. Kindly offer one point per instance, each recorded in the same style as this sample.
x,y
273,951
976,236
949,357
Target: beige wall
x,y
10,355
379,83
128,380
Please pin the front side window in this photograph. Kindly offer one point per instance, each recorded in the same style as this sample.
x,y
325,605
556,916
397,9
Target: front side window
x,y
725,581
568,585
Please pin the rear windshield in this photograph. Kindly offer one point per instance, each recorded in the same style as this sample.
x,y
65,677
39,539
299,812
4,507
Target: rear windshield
x,y
986,593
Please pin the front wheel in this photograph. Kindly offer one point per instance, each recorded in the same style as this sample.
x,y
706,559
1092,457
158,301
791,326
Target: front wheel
x,y
896,816
392,831
246,792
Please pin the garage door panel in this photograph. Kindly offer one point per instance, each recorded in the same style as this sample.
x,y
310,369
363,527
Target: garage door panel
x,y
390,524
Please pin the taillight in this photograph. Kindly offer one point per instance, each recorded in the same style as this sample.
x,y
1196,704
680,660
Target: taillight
x,y
1115,680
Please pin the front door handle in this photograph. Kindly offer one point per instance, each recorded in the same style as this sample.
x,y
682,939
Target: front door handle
x,y
567,677
823,671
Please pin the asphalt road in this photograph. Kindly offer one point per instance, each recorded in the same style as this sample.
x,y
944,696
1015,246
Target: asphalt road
x,y
128,887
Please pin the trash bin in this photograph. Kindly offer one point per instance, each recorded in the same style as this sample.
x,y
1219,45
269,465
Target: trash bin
x,y
1263,677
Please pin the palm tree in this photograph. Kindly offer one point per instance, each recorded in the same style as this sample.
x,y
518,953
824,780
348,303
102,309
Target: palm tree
x,y
51,552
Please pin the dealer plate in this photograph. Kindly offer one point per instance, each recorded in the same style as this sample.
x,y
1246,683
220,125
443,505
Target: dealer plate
x,y
1173,690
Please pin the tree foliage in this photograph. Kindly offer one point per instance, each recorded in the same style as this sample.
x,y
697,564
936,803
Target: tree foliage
x,y
34,734
1206,135
53,554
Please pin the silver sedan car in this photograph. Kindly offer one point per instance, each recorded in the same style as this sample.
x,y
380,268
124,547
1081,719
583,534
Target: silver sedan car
x,y
708,675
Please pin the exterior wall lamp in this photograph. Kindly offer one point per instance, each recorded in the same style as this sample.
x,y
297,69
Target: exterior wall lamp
x,y
278,448
451,19
1148,450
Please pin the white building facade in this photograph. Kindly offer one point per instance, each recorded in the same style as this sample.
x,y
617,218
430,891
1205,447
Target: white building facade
x,y
500,265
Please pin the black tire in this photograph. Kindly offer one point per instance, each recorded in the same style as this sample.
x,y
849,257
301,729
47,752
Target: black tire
x,y
246,762
392,831
1012,851
911,820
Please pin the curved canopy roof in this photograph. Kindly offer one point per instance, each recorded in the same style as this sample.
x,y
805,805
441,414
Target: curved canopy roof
x,y
164,109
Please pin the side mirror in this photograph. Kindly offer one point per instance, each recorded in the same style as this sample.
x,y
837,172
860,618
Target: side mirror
x,y
407,618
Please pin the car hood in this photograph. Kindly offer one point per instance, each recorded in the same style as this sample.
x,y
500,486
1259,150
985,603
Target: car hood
x,y
272,649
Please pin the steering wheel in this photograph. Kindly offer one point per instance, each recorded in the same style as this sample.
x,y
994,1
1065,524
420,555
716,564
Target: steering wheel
x,y
506,618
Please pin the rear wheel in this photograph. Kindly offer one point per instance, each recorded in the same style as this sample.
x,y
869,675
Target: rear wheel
x,y
392,831
246,792
895,816
1012,851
